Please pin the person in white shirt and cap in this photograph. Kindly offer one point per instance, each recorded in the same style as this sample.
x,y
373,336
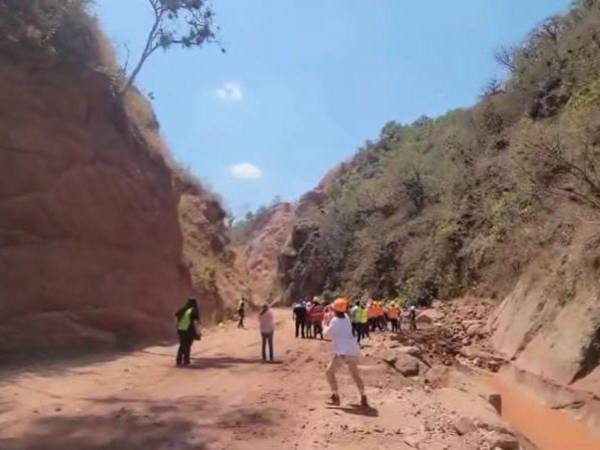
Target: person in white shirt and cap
x,y
345,351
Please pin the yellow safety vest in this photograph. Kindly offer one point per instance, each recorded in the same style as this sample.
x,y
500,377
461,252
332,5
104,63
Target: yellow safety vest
x,y
362,316
186,319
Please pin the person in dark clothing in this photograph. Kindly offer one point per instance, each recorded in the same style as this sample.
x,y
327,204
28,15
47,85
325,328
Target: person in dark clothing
x,y
299,315
412,317
241,312
187,328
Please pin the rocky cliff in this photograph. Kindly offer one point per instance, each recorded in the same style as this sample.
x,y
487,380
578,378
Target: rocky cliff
x,y
258,243
101,237
500,200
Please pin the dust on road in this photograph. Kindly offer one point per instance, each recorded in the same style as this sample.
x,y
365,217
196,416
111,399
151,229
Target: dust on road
x,y
230,399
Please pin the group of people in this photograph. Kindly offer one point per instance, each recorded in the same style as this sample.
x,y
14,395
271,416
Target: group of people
x,y
344,323
365,317
308,317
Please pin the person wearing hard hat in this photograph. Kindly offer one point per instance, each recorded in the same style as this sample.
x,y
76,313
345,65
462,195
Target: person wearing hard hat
x,y
393,313
345,351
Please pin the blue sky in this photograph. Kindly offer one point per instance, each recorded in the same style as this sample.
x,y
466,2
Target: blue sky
x,y
305,82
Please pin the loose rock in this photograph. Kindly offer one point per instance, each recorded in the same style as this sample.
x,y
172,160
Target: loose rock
x,y
407,365
502,441
463,425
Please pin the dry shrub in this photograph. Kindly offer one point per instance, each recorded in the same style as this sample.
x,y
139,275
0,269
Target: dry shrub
x,y
63,27
560,161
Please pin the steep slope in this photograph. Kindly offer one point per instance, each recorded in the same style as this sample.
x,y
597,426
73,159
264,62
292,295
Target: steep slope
x,y
500,200
258,242
100,238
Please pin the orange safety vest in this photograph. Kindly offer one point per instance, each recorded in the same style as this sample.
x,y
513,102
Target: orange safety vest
x,y
371,312
393,313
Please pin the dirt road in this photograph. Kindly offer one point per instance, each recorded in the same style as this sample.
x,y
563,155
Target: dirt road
x,y
229,399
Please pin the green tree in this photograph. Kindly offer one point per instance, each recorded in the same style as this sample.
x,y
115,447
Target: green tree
x,y
184,23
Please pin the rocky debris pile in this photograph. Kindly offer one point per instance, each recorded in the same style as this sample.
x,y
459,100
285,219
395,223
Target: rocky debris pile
x,y
466,319
451,332
411,417
448,410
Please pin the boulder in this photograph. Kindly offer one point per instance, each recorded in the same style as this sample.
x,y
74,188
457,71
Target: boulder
x,y
463,425
407,365
429,316
404,363
409,350
474,330
389,357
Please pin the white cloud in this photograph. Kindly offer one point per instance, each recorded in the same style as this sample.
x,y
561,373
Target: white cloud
x,y
230,92
245,171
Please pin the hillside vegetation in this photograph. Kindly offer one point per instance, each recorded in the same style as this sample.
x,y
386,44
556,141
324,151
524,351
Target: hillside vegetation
x,y
465,200
499,200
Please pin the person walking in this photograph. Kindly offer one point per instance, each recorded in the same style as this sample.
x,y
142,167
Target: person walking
x,y
299,316
187,318
241,312
345,351
267,329
316,315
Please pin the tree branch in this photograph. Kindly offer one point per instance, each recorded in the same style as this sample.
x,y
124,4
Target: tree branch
x,y
148,50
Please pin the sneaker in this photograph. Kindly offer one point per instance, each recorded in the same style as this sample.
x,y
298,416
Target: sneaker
x,y
363,401
335,399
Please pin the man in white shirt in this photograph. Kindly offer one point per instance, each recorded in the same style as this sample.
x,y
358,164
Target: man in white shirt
x,y
346,350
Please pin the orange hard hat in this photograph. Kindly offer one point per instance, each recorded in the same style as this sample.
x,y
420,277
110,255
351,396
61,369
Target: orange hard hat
x,y
340,305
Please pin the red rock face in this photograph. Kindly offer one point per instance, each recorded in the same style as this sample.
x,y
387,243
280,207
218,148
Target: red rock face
x,y
259,248
91,248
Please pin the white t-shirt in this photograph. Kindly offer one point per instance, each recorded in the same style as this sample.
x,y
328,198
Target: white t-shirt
x,y
340,332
